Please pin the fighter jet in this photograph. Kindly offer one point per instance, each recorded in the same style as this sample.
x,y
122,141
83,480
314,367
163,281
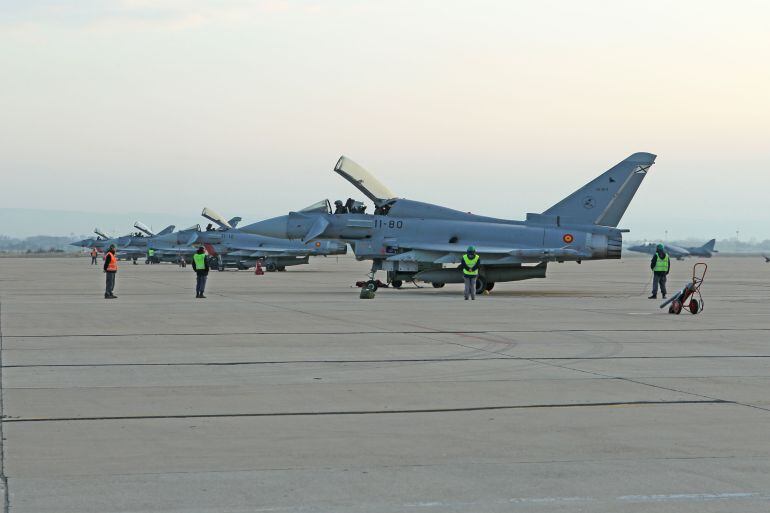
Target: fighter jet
x,y
174,246
129,247
680,253
417,241
233,248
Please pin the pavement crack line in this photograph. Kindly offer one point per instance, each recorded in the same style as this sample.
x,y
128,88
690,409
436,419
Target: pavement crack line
x,y
370,412
386,332
593,373
384,360
3,477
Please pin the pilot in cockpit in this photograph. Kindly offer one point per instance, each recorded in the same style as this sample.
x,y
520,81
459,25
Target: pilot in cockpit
x,y
355,207
339,208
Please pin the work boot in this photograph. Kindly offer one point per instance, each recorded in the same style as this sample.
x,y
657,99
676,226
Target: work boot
x,y
664,296
653,297
202,296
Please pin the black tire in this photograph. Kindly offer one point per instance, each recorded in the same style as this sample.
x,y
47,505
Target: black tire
x,y
396,284
481,284
490,286
282,269
675,308
438,285
270,267
372,285
694,307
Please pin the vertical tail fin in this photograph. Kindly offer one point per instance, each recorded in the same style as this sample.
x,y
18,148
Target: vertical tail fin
x,y
709,246
604,200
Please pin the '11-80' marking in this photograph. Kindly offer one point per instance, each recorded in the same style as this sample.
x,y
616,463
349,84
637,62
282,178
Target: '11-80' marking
x,y
380,223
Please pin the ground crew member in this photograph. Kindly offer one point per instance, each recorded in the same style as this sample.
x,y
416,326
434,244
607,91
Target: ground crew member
x,y
470,266
111,269
660,265
150,256
201,268
94,254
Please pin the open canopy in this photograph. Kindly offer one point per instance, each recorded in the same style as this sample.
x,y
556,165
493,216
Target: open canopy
x,y
211,215
363,181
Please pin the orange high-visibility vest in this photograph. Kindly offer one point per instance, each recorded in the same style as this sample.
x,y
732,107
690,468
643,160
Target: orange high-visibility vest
x,y
94,252
113,264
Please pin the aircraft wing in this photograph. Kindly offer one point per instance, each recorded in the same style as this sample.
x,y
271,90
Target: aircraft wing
x,y
176,251
274,249
261,254
446,253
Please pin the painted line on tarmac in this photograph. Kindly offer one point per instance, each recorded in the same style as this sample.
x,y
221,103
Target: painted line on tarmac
x,y
373,412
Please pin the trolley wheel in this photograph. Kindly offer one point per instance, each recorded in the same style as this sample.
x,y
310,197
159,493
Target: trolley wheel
x,y
694,306
675,308
396,284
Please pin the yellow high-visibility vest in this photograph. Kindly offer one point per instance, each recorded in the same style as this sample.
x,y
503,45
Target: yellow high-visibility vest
x,y
470,262
199,259
662,265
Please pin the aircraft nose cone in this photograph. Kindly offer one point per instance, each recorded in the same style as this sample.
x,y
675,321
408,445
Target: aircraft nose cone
x,y
275,227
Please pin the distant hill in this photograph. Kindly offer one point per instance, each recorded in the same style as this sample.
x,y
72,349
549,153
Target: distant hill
x,y
23,222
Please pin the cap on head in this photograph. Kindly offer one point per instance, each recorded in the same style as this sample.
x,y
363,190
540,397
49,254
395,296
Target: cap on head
x,y
660,246
471,249
112,247
200,249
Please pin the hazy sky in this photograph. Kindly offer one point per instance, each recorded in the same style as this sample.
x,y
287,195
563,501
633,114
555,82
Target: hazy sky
x,y
496,107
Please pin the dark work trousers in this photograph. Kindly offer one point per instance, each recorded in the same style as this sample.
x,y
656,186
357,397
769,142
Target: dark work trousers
x,y
93,260
470,286
110,282
200,283
659,278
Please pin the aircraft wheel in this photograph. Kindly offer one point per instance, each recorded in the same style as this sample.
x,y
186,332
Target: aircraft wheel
x,y
438,285
270,267
490,286
372,285
146,262
396,284
481,284
282,269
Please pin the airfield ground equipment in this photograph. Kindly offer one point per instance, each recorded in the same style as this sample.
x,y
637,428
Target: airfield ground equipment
x,y
690,297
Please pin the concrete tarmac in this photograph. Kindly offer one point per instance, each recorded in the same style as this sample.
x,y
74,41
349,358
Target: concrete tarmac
x,y
287,393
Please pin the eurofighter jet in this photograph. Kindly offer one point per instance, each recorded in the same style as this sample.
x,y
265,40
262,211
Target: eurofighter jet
x,y
416,241
233,248
129,247
680,253
173,246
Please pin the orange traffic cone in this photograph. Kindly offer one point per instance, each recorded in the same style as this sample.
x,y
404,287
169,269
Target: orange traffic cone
x,y
258,269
